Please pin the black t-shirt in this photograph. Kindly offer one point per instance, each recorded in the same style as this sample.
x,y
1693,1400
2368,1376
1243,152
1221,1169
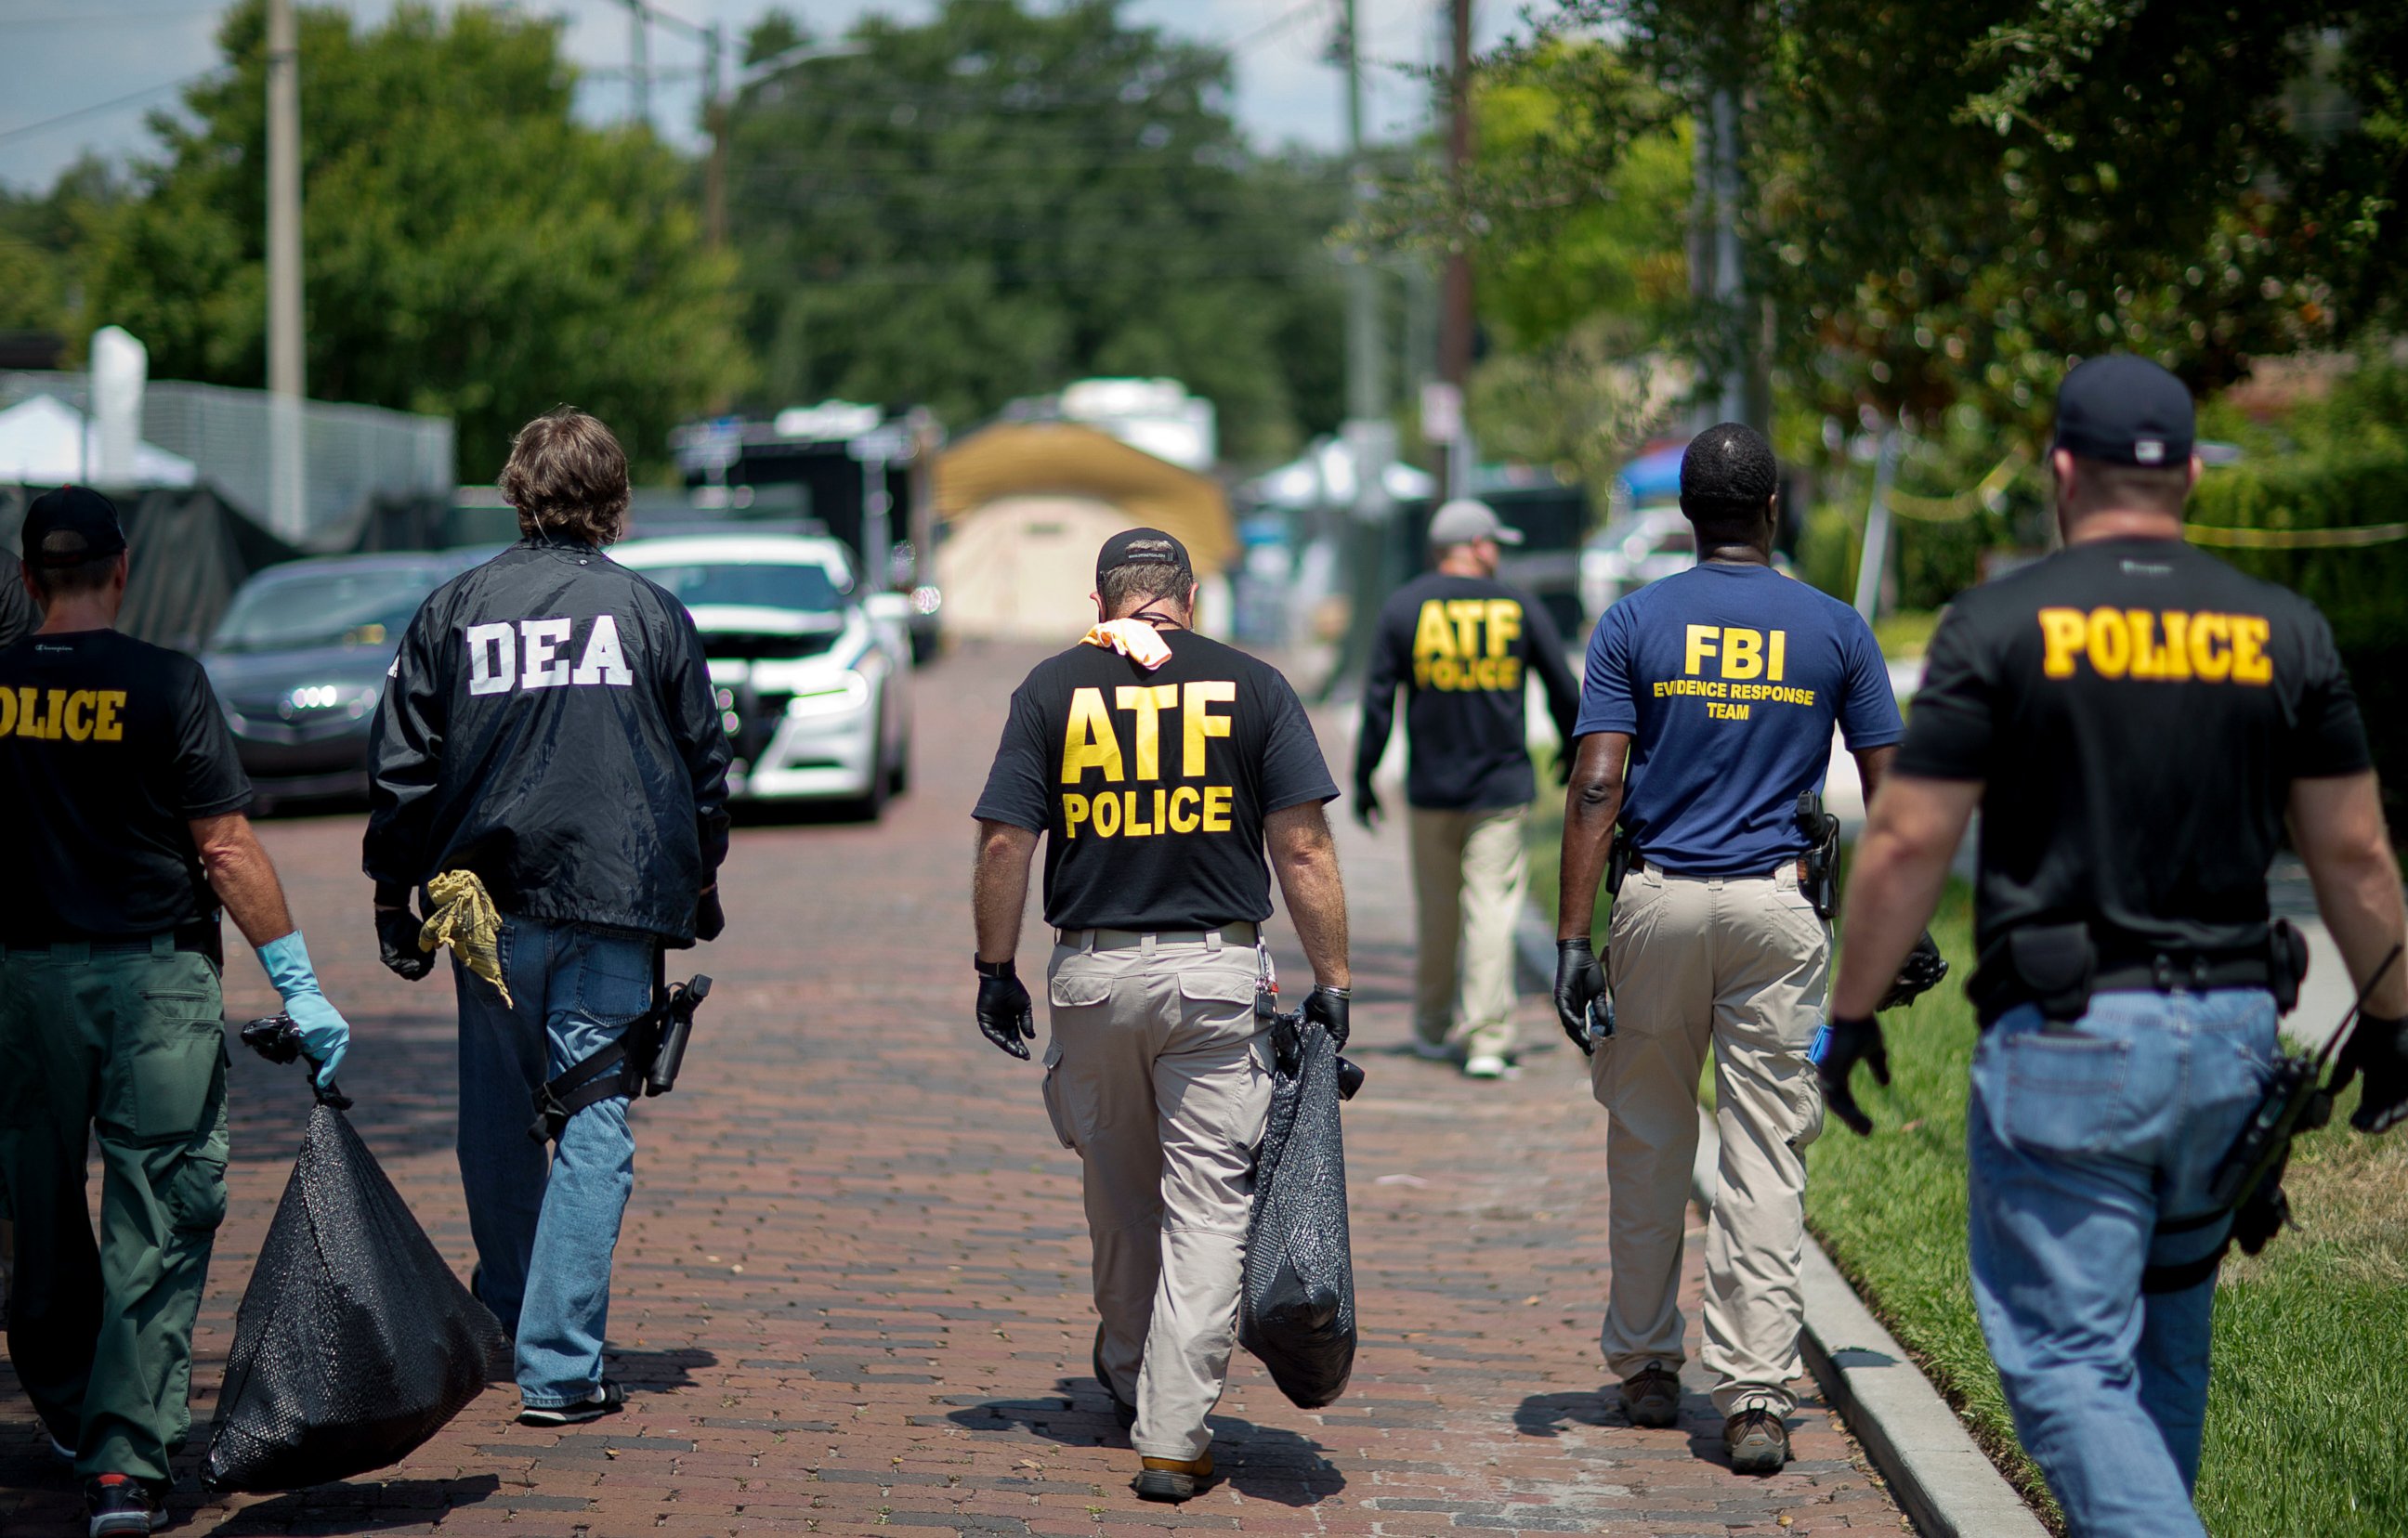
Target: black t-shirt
x,y
2136,711
1461,648
1153,786
109,747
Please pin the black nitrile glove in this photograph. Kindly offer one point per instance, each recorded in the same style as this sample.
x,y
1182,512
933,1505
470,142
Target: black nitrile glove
x,y
1917,974
1580,986
709,918
2379,1049
1326,1007
1838,1047
397,943
1367,806
1003,1010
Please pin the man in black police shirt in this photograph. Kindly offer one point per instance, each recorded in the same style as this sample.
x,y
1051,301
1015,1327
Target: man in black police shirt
x,y
1158,765
549,730
2136,721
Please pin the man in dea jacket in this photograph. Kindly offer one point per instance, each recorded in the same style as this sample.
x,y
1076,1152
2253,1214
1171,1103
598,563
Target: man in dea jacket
x,y
549,730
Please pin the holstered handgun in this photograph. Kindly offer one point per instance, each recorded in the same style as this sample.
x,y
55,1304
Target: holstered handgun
x,y
1618,860
1822,880
642,1060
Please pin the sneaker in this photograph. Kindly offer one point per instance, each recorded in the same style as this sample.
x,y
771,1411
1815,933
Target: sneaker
x,y
1174,1479
120,1505
1651,1397
1432,1051
1123,1411
1485,1065
1759,1443
609,1399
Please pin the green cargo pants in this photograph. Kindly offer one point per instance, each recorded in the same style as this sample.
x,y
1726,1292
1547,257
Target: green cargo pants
x,y
128,1041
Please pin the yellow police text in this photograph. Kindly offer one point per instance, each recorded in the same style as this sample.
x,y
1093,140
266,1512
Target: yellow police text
x,y
2167,646
72,715
1467,644
1142,814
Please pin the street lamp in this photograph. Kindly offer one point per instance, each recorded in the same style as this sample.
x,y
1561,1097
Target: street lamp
x,y
718,100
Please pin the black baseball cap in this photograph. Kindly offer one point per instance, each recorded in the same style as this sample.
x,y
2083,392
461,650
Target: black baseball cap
x,y
1142,547
2126,410
70,526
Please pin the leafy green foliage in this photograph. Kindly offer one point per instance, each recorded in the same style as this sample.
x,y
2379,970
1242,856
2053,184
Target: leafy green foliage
x,y
469,250
1005,198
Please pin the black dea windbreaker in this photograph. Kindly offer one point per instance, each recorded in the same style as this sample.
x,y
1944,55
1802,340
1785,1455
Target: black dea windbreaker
x,y
549,724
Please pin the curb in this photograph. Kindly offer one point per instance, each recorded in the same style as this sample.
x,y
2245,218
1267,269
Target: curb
x,y
1946,1485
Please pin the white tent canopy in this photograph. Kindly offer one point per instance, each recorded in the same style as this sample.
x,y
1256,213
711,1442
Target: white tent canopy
x,y
46,442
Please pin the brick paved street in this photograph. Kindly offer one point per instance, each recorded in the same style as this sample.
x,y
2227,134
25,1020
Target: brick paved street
x,y
852,1291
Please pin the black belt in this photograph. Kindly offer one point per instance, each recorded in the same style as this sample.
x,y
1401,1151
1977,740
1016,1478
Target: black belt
x,y
2183,972
201,937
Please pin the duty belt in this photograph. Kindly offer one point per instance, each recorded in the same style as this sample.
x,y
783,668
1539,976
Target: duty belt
x,y
1126,939
198,938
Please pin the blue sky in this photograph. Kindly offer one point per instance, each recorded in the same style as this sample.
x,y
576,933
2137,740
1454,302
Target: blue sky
x,y
62,57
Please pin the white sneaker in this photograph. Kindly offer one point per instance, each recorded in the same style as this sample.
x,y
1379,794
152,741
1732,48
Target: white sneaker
x,y
1486,1065
1432,1051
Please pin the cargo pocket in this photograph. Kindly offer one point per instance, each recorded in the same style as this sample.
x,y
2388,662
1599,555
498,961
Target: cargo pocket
x,y
194,1194
1219,995
1073,987
1056,1111
176,1072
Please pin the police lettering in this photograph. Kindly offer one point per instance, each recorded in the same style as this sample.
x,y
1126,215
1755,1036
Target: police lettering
x,y
495,651
2161,645
62,715
1093,745
1467,644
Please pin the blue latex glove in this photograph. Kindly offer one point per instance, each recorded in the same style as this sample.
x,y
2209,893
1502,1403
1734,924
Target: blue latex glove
x,y
324,1034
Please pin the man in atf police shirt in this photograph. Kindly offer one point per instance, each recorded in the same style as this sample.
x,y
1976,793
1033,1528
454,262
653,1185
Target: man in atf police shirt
x,y
122,834
1706,711
1158,765
2140,725
1462,644
547,749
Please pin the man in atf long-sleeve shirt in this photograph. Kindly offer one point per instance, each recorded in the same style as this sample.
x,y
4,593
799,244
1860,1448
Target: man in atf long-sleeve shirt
x,y
549,729
1460,643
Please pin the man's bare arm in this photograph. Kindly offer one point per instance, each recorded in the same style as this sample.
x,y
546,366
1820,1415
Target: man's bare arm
x,y
1872,764
1306,858
1901,865
1591,802
999,887
242,876
2337,826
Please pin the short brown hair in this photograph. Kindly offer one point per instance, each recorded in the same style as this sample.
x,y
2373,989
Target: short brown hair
x,y
1131,586
2103,485
568,476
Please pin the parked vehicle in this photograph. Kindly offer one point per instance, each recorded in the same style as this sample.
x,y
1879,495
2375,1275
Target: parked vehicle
x,y
298,664
1631,552
813,677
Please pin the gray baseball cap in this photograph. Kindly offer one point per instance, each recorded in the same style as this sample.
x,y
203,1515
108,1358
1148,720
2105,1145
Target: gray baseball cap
x,y
1465,521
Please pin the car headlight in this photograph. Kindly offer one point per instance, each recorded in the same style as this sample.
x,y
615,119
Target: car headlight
x,y
850,693
317,701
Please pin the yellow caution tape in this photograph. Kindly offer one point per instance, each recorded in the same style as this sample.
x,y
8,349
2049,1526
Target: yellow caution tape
x,y
2294,539
467,920
1964,504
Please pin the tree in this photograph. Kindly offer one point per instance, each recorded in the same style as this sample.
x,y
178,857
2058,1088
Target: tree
x,y
470,249
1003,199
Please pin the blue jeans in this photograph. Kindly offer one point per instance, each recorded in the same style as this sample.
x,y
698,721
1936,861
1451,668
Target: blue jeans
x,y
2082,1141
546,1222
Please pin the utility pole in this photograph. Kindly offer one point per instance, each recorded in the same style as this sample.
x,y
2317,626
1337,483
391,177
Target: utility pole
x,y
1455,316
287,472
1363,538
1366,397
714,112
639,62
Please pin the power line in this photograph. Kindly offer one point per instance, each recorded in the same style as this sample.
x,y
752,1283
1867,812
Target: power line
x,y
1268,30
68,18
97,107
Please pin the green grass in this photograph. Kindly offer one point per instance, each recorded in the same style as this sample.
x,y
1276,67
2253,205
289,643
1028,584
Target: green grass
x,y
1906,633
2311,1345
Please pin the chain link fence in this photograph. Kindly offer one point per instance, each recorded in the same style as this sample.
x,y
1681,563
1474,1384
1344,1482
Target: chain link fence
x,y
356,455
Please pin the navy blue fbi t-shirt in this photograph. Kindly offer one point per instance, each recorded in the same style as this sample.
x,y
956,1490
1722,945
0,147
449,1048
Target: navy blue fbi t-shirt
x,y
1152,787
108,748
1728,679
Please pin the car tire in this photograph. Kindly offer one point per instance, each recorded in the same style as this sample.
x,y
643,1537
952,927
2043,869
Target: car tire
x,y
898,776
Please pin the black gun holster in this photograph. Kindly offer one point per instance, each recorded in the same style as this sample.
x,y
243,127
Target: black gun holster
x,y
1822,857
643,1059
1619,862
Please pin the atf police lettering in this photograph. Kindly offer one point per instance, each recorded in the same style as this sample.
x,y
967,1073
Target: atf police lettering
x,y
1748,668
1092,744
533,654
1467,643
62,715
2164,645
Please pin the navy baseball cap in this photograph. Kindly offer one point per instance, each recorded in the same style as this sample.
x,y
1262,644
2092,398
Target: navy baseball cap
x,y
2126,410
1142,547
70,526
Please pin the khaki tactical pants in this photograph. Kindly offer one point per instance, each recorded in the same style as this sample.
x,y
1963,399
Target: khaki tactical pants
x,y
127,1041
1742,962
1155,1076
1469,877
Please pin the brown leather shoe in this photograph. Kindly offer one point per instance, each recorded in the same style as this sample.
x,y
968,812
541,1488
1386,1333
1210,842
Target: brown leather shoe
x,y
1759,1443
1174,1479
1651,1397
